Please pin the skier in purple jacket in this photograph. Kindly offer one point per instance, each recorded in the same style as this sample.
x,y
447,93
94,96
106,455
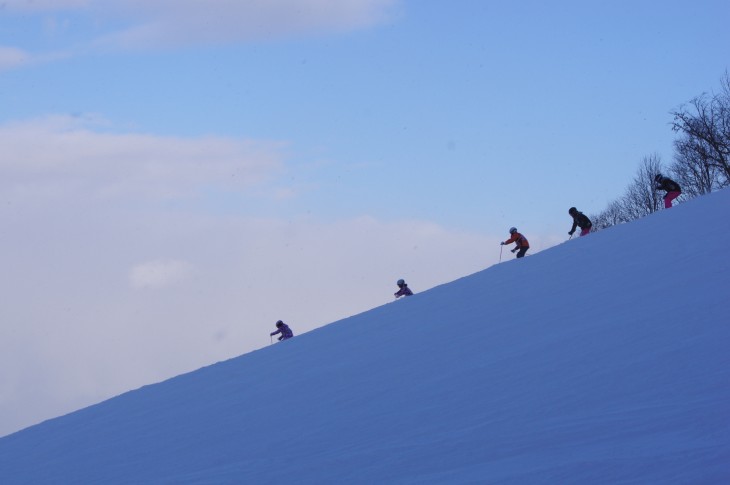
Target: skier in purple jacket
x,y
283,329
404,290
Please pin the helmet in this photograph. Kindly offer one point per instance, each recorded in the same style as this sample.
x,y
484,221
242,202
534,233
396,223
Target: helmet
x,y
401,282
572,211
658,178
512,230
279,323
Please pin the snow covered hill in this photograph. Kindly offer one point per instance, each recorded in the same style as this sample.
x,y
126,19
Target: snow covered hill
x,y
603,360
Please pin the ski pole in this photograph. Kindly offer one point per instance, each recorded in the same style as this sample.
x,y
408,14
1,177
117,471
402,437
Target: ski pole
x,y
500,252
271,339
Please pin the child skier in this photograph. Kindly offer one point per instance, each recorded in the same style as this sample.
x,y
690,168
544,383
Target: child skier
x,y
283,329
672,188
521,245
403,291
580,220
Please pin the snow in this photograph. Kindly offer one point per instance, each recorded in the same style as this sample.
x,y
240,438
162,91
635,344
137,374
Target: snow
x,y
603,360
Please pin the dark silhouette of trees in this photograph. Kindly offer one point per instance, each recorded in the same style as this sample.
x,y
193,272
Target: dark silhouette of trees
x,y
701,159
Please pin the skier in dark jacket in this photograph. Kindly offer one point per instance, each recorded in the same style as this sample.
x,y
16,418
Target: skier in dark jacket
x,y
404,290
283,329
521,245
580,220
673,189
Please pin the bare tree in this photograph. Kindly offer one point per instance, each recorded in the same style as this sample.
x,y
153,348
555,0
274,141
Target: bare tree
x,y
613,215
701,160
641,198
705,122
695,174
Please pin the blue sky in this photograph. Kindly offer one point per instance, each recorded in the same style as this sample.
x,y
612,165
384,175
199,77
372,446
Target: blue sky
x,y
176,176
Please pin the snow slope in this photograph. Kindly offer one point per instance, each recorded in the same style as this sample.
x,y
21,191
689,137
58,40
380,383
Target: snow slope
x,y
602,360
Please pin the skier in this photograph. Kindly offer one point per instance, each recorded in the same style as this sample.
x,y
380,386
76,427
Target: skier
x,y
522,245
580,220
283,329
672,188
403,291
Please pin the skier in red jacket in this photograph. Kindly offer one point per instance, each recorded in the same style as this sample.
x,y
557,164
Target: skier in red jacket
x,y
521,245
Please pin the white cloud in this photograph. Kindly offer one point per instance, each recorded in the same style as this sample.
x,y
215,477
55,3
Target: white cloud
x,y
11,57
169,23
175,22
63,153
159,274
44,5
284,193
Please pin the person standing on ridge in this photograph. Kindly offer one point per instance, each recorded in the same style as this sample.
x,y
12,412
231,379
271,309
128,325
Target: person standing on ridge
x,y
521,245
403,291
283,329
580,220
673,189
